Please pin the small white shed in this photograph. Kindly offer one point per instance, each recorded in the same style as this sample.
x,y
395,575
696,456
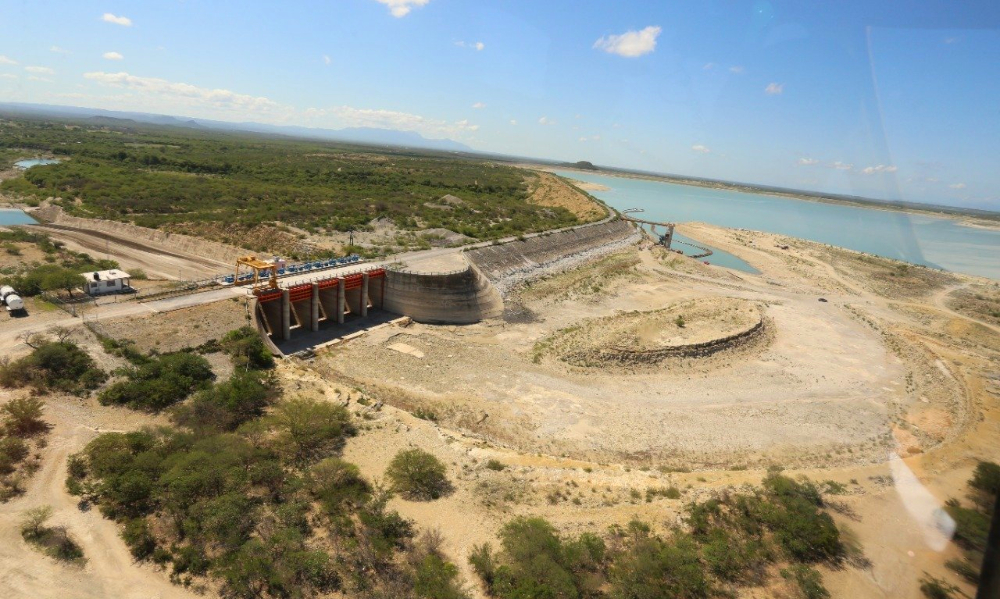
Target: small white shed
x,y
106,281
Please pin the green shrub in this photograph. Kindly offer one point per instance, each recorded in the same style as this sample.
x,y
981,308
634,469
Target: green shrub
x,y
533,562
436,578
651,568
418,475
22,417
495,465
12,452
226,405
56,366
160,383
53,541
808,580
247,349
935,588
971,525
309,430
965,569
986,481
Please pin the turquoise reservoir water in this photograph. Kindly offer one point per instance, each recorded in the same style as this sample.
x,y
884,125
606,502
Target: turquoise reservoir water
x,y
26,164
928,240
15,217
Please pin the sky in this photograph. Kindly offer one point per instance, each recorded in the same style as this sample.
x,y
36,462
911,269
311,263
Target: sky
x,y
896,100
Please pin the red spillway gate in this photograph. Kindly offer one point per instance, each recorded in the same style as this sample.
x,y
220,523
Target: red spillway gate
x,y
300,292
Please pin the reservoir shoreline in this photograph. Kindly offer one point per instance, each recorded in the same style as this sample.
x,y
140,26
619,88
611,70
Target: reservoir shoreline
x,y
956,214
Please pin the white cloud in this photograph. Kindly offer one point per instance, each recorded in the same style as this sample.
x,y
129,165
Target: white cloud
x,y
186,94
8,76
840,166
630,44
878,168
513,121
808,161
700,148
774,89
401,8
112,56
40,70
348,116
738,70
151,93
478,105
58,50
327,59
957,186
37,78
591,138
546,121
708,66
477,46
110,18
5,60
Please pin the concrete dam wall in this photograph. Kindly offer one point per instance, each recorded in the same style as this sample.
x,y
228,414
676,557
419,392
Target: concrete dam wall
x,y
520,257
460,297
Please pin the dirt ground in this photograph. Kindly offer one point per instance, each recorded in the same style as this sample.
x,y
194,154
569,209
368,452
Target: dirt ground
x,y
882,387
549,190
178,329
885,388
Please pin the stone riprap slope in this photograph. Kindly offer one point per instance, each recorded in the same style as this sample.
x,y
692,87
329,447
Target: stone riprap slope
x,y
511,263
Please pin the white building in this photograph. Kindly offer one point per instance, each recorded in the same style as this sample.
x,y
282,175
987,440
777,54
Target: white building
x,y
106,281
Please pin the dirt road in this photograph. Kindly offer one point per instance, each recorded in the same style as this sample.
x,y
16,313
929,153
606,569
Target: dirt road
x,y
134,253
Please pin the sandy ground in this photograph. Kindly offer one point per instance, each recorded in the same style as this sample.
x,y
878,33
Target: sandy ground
x,y
109,570
548,190
883,388
885,367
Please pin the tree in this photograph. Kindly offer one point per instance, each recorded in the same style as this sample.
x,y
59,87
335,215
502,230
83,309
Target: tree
x,y
310,429
22,417
61,279
418,475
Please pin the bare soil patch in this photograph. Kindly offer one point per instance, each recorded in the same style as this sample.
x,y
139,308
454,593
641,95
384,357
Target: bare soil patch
x,y
178,329
549,190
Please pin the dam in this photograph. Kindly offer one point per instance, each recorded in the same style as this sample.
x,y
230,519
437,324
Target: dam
x,y
306,314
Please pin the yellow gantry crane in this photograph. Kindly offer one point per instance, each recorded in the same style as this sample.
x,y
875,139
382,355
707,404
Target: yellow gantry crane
x,y
265,274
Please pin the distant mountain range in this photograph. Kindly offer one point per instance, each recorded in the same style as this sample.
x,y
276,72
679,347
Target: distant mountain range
x,y
359,135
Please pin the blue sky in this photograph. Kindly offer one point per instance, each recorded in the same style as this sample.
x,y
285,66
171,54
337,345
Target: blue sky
x,y
893,99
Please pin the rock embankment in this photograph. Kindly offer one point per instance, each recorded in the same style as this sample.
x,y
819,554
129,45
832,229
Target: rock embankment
x,y
510,264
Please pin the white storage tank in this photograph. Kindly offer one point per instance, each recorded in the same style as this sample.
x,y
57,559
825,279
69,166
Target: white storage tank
x,y
14,302
5,291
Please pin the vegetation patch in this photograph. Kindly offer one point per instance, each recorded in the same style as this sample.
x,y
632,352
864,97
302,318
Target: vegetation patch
x,y
729,543
58,269
58,365
53,541
193,181
418,475
160,382
972,526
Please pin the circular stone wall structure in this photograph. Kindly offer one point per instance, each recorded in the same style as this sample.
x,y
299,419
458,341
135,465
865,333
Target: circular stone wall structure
x,y
459,297
691,329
